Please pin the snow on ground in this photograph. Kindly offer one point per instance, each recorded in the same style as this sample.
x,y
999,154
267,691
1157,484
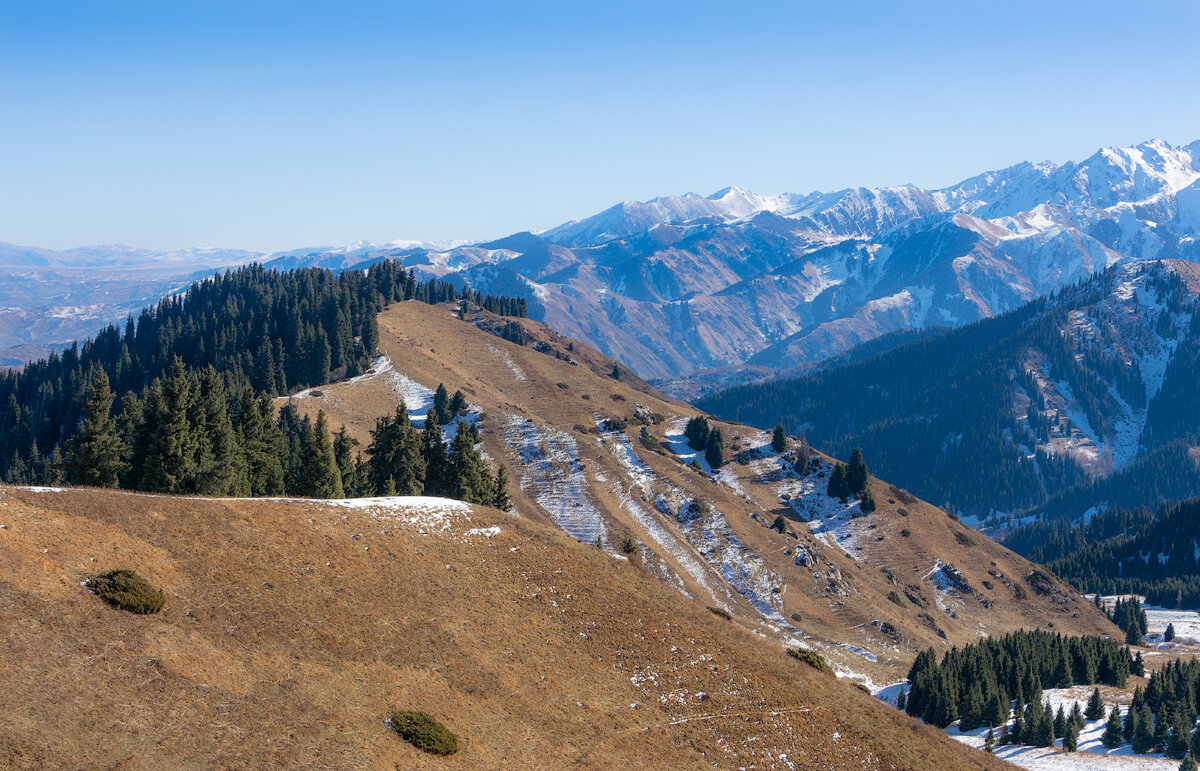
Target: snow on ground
x,y
518,373
551,472
703,527
678,444
418,399
837,524
1092,754
1186,622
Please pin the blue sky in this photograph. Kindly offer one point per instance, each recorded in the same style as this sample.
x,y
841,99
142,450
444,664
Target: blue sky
x,y
272,125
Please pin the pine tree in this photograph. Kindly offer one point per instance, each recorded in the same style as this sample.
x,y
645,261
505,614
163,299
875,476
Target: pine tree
x,y
1112,729
319,475
468,478
1071,737
714,451
171,444
97,451
837,482
1180,735
343,446
856,473
441,406
220,465
778,438
1143,730
500,490
1095,706
458,403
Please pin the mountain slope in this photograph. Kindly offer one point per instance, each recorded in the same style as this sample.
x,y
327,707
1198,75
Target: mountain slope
x,y
572,439
1087,399
292,627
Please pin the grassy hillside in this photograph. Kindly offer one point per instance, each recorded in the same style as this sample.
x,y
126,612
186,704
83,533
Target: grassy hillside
x,y
292,628
866,591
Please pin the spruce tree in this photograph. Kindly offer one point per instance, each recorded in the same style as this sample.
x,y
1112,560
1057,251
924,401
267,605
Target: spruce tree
x,y
469,479
220,465
1188,764
433,451
171,444
778,438
989,742
98,452
343,447
1071,737
714,451
837,482
856,473
1112,729
441,406
321,478
500,489
458,403
1095,706
1180,735
1169,635
1060,723
1143,730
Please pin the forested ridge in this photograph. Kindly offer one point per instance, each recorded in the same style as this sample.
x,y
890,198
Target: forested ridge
x,y
1123,551
940,414
179,401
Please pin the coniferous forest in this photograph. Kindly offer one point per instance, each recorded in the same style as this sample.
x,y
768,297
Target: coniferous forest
x,y
1122,551
940,414
179,400
988,682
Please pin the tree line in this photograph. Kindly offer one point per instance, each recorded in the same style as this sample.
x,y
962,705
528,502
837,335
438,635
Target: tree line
x,y
1123,551
939,413
185,379
185,437
983,682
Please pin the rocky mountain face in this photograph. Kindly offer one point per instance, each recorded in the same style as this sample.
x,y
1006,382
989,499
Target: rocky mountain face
x,y
684,284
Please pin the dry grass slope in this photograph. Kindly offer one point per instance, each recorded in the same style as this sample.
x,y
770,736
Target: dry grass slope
x,y
293,628
841,598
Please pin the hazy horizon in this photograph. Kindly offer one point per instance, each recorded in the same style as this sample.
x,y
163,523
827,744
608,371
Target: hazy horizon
x,y
284,125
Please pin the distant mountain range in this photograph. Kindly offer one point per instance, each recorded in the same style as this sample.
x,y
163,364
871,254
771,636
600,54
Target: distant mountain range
x,y
1076,403
739,284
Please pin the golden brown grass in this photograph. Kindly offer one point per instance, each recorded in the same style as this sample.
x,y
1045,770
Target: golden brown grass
x,y
431,346
295,627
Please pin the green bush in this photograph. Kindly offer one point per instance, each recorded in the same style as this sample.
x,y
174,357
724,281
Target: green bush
x,y
812,658
423,732
127,590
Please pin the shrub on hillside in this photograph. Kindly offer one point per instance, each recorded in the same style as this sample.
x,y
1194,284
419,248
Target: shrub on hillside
x,y
812,658
126,590
424,732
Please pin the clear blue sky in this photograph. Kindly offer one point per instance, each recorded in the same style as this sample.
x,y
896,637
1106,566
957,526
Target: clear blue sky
x,y
273,125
